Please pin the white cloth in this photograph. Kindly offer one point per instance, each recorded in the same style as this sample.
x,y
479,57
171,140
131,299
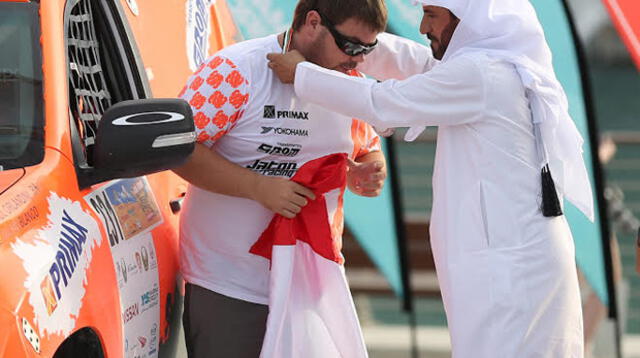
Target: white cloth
x,y
509,30
386,62
311,313
507,274
243,111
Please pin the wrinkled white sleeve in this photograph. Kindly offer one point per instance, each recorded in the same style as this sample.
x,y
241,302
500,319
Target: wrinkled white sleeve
x,y
397,57
452,93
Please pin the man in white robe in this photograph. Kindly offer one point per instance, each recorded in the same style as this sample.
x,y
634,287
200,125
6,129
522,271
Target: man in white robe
x,y
507,272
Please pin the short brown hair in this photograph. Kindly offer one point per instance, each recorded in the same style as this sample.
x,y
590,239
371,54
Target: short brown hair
x,y
370,12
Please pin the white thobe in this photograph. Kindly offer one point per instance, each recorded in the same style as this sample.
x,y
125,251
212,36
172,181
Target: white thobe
x,y
507,273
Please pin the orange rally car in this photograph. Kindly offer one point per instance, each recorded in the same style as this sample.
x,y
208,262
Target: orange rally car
x,y
88,217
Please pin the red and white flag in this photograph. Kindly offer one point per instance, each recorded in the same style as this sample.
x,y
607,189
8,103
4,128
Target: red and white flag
x,y
311,312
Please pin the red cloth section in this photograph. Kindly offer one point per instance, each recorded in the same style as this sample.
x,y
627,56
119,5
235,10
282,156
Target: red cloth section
x,y
311,225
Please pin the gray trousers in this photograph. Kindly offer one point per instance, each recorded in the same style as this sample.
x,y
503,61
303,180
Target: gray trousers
x,y
219,326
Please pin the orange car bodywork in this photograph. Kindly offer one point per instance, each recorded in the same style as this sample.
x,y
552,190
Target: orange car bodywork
x,y
46,301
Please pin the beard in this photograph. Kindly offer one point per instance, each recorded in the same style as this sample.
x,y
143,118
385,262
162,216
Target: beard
x,y
439,45
316,52
436,48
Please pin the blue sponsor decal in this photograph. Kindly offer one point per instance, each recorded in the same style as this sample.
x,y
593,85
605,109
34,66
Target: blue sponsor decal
x,y
71,244
198,31
200,34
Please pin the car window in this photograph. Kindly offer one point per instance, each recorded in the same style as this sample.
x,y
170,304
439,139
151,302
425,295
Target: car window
x,y
99,68
21,110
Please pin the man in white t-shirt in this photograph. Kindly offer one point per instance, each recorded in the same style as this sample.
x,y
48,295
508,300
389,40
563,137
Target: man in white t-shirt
x,y
253,135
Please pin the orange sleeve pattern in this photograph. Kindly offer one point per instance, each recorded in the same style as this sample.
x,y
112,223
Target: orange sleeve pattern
x,y
218,93
365,139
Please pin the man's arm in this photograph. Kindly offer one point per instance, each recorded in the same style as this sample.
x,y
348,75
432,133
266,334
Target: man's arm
x,y
210,171
450,94
398,58
218,94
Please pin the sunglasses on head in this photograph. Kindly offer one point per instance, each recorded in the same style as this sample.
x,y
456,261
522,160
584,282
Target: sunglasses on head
x,y
348,45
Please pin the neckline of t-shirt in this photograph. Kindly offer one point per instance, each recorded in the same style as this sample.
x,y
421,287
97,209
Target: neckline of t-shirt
x,y
275,36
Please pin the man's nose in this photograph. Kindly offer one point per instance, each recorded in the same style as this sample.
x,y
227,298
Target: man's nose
x,y
425,26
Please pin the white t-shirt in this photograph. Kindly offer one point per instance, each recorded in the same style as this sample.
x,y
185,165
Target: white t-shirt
x,y
248,116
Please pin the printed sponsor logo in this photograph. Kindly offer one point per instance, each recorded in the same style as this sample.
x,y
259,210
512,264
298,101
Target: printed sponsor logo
x,y
283,150
198,31
143,341
50,299
153,263
131,312
11,204
12,227
138,119
144,254
144,260
138,258
273,168
293,115
286,131
65,248
153,339
28,217
149,298
270,112
133,268
123,273
72,238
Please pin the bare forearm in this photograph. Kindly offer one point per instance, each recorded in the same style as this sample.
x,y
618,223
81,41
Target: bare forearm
x,y
210,171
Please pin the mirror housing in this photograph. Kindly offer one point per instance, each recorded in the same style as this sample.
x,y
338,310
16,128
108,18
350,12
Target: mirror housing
x,y
141,137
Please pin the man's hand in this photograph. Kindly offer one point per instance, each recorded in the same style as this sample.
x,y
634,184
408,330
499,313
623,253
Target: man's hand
x,y
284,65
366,179
282,196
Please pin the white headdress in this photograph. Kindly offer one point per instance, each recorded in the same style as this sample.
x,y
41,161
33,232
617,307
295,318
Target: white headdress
x,y
510,30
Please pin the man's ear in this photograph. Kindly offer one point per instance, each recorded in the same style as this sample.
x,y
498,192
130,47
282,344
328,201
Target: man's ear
x,y
313,20
311,26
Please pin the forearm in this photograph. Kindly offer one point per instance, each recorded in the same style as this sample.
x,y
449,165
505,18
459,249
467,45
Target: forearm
x,y
210,171
397,57
447,95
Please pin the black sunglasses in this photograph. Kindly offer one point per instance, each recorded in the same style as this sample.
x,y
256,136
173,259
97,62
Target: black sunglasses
x,y
348,45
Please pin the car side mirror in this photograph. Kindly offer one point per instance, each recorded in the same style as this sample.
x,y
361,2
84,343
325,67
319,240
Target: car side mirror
x,y
141,137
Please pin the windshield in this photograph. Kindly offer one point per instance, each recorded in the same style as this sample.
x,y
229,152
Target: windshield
x,y
21,117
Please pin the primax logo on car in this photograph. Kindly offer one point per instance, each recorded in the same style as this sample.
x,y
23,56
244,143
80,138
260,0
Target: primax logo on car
x,y
56,261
